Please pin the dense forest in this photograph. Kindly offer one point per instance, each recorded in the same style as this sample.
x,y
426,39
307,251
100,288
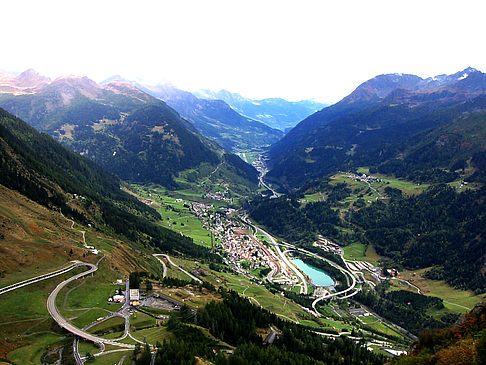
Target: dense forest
x,y
294,222
235,321
439,227
464,343
238,322
46,172
406,309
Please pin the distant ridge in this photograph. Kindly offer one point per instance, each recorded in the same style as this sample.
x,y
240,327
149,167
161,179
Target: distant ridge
x,y
275,112
216,119
125,130
396,123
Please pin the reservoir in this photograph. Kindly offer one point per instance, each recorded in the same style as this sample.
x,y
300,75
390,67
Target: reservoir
x,y
319,277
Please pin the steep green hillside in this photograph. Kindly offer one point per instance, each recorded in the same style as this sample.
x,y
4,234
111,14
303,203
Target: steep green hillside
x,y
464,343
126,131
46,172
390,123
150,145
439,228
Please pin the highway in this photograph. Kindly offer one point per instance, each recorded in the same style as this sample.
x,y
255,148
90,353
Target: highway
x,y
344,271
62,322
164,273
77,356
180,268
41,277
286,261
347,273
265,185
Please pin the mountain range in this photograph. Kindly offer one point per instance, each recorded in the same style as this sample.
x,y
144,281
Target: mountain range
x,y
127,131
396,123
274,112
216,119
425,130
51,175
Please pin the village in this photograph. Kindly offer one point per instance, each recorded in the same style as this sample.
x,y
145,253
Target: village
x,y
243,252
364,178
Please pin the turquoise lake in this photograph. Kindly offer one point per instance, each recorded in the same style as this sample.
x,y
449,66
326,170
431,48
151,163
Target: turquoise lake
x,y
319,277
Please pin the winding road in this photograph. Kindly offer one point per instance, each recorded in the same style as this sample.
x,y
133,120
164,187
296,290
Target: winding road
x,y
177,267
265,185
41,277
164,272
62,322
304,288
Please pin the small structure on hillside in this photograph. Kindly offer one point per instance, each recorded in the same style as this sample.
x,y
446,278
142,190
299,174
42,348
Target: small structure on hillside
x,y
134,297
118,298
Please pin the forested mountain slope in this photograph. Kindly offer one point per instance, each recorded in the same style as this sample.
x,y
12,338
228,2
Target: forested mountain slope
x,y
387,123
46,172
216,120
126,131
464,343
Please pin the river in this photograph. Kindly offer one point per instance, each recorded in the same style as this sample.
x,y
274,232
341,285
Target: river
x,y
319,277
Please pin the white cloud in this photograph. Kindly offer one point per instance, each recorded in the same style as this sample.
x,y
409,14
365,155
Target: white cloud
x,y
304,49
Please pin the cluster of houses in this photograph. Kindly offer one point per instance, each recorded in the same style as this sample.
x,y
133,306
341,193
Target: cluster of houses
x,y
118,297
147,201
219,195
92,249
364,178
242,251
259,163
328,245
240,248
134,295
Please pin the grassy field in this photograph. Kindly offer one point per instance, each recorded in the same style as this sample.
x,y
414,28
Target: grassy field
x,y
174,214
25,325
360,252
153,335
113,358
33,352
379,326
354,251
368,319
361,190
87,346
140,320
176,273
156,311
312,198
251,155
107,325
459,301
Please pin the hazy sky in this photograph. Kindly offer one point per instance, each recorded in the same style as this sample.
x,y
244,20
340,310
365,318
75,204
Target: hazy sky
x,y
292,49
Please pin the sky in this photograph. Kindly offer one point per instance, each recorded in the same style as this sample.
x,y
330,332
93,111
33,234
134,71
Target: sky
x,y
296,50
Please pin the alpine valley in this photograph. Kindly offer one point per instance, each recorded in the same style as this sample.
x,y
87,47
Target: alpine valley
x,y
144,224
